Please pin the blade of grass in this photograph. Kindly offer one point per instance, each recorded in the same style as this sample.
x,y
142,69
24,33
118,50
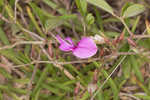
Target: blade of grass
x,y
135,24
5,73
113,86
34,22
99,19
41,79
85,96
136,68
53,90
15,90
55,7
143,97
1,95
3,37
60,87
142,86
14,96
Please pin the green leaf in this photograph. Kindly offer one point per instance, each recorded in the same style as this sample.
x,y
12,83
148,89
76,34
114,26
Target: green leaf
x,y
133,10
82,6
53,23
99,19
111,34
144,43
102,4
3,37
57,21
42,14
124,8
55,6
90,19
1,2
15,29
41,79
136,68
85,96
135,24
143,97
126,66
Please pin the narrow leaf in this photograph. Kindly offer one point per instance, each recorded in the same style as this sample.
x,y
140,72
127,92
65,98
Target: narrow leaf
x,y
54,22
135,67
102,4
133,10
3,37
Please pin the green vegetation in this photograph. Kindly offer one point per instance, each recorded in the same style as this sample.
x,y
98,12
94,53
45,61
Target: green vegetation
x,y
32,67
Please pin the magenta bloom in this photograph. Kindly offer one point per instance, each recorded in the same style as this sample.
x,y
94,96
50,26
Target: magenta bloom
x,y
85,48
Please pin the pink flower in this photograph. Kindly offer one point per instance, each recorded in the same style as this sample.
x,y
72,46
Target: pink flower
x,y
85,48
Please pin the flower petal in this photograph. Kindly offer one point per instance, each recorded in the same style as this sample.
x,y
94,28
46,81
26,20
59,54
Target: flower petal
x,y
64,45
68,39
85,48
60,40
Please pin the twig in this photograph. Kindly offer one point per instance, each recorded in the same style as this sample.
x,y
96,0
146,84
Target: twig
x,y
33,34
58,65
4,19
141,36
123,22
23,19
129,95
77,61
42,42
22,42
15,10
